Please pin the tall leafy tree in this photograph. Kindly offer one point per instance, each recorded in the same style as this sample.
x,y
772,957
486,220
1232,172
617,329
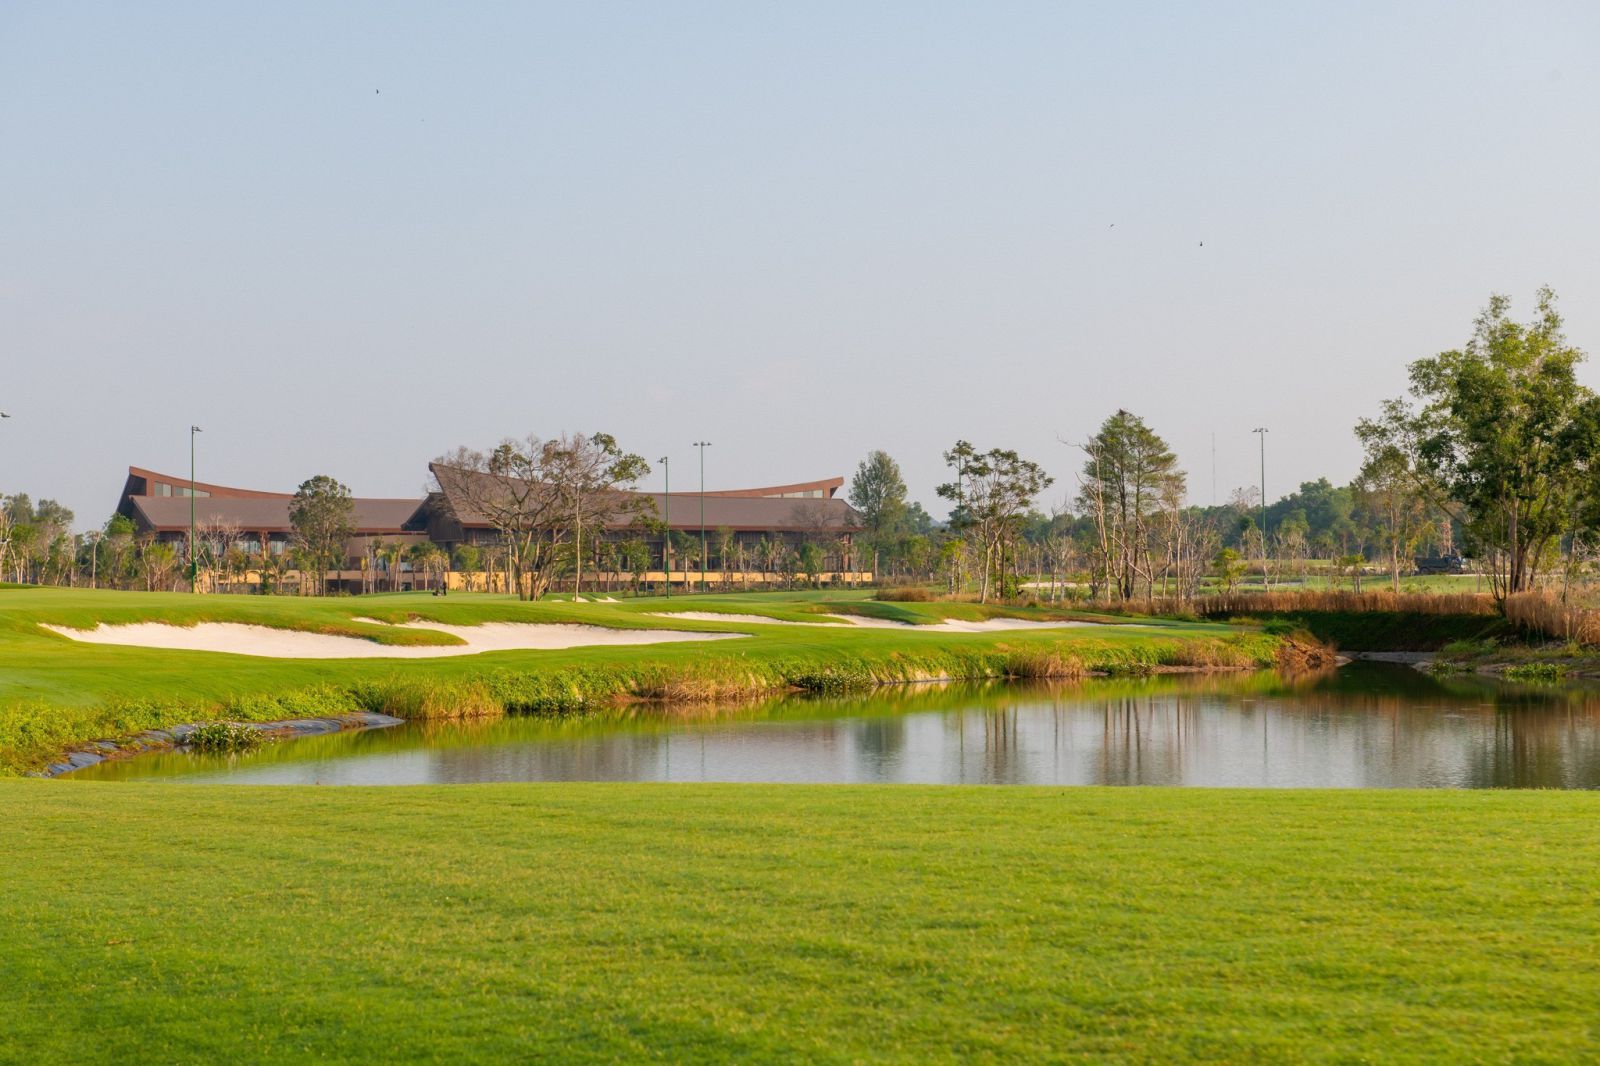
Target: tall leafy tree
x,y
1129,472
1389,493
993,492
878,492
323,515
1499,433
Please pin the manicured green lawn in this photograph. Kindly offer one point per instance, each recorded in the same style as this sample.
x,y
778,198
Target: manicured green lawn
x,y
55,692
782,923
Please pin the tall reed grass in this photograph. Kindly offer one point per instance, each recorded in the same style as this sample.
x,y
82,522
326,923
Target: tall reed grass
x,y
1540,613
1324,601
1545,613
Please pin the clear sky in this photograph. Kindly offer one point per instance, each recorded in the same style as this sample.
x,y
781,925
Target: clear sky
x,y
345,238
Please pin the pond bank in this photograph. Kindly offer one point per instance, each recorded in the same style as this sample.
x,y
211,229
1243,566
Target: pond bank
x,y
59,695
711,680
1370,725
156,740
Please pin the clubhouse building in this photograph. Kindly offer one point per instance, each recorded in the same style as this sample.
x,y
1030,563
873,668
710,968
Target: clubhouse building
x,y
752,535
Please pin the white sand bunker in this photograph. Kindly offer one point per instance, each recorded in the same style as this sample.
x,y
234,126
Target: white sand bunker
x,y
741,619
264,641
988,625
949,625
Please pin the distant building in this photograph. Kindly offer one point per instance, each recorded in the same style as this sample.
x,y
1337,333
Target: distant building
x,y
257,521
757,518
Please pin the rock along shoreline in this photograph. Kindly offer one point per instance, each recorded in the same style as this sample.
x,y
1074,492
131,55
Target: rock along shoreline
x,y
153,740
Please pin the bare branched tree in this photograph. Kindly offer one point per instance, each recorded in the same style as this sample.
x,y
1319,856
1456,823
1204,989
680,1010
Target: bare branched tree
x,y
537,494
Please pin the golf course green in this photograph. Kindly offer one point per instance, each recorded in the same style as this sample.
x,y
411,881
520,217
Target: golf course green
x,y
722,923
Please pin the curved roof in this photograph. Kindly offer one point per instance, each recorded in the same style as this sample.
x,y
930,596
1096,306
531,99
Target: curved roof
x,y
170,514
742,511
149,477
828,487
774,507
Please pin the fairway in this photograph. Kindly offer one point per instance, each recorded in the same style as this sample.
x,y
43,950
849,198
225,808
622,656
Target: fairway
x,y
56,691
732,923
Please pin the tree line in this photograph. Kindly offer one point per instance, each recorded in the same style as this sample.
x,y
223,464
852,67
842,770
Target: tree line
x,y
1490,454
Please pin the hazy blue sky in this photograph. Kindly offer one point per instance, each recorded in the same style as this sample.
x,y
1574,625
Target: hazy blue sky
x,y
344,238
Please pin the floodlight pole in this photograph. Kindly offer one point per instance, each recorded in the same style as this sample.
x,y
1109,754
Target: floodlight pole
x,y
194,562
1261,431
702,445
666,532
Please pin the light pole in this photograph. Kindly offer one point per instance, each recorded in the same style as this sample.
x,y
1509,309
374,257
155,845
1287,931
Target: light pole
x,y
666,521
1261,431
194,563
702,445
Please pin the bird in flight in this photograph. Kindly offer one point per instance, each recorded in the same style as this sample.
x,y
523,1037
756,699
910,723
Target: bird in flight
x,y
4,415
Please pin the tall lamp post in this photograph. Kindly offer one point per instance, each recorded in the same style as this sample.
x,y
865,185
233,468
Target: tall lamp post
x,y
1261,432
702,445
666,533
194,562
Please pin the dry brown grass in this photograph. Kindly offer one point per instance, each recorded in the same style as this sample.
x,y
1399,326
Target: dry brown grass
x,y
1223,605
905,594
1543,612
1305,652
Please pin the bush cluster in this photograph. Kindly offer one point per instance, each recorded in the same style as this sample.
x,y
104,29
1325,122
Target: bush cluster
x,y
1535,672
833,681
225,737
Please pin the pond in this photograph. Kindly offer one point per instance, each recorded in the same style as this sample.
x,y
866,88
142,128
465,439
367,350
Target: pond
x,y
1363,726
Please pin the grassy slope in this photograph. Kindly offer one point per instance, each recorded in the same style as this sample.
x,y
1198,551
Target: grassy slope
x,y
832,923
1395,630
55,692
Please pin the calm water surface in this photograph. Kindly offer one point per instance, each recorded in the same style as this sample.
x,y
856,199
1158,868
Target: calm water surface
x,y
1364,726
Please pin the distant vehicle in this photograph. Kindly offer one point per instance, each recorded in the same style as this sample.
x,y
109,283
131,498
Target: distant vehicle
x,y
1441,564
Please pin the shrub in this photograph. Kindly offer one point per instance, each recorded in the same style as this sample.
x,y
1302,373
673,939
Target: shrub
x,y
909,594
830,682
1544,672
225,737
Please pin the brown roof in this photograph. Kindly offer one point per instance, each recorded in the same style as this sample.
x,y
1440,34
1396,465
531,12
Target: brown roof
x,y
828,487
166,514
756,514
751,514
140,483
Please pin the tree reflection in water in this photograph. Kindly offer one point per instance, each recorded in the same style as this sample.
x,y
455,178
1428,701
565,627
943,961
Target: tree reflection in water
x,y
1364,726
